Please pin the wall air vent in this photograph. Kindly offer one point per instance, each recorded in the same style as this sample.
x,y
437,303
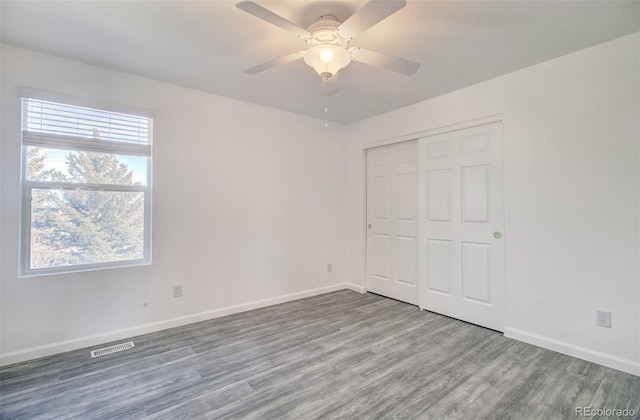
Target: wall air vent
x,y
112,349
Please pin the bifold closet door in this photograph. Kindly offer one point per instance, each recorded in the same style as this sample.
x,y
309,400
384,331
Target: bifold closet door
x,y
461,225
392,213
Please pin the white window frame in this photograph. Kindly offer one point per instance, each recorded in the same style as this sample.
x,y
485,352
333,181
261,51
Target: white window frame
x,y
72,143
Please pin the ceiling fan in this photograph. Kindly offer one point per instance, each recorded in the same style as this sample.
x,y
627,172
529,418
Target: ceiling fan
x,y
328,40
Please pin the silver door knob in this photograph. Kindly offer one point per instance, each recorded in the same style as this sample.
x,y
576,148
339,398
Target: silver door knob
x,y
369,226
497,235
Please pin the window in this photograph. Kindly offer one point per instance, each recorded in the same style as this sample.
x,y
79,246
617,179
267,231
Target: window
x,y
86,184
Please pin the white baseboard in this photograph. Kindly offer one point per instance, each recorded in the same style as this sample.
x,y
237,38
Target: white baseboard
x,y
356,288
98,339
604,359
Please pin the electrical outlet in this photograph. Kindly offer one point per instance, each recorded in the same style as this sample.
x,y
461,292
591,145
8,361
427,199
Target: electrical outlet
x,y
603,319
329,268
177,291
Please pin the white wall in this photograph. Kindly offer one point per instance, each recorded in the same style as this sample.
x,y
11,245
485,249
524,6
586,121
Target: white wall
x,y
248,208
571,135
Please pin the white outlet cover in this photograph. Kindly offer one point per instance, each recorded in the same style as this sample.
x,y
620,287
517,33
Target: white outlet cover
x,y
603,319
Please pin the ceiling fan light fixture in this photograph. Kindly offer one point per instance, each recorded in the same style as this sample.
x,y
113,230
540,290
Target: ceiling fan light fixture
x,y
327,58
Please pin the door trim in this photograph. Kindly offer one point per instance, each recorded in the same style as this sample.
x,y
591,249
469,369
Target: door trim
x,y
433,131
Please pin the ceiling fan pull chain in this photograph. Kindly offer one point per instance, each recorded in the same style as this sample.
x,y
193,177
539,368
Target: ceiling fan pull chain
x,y
325,89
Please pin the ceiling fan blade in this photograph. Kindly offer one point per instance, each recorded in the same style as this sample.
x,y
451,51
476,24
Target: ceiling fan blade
x,y
370,14
333,85
268,16
275,62
388,62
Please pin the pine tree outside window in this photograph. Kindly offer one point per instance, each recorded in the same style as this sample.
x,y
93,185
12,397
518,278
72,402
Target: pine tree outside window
x,y
86,184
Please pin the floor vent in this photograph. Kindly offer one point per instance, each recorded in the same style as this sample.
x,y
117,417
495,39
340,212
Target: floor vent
x,y
112,349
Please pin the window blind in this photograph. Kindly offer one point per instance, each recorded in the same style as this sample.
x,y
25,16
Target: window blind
x,y
76,127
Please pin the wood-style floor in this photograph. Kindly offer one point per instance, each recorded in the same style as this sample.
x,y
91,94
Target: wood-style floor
x,y
339,355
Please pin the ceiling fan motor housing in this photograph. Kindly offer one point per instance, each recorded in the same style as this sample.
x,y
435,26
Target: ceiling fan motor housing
x,y
325,31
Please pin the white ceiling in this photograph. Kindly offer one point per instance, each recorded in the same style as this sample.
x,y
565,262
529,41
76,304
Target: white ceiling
x,y
205,45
